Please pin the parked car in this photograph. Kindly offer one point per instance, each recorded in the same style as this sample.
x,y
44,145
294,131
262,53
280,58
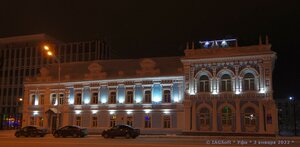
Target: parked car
x,y
73,131
121,131
31,131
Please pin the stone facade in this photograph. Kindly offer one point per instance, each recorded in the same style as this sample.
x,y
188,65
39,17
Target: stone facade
x,y
215,90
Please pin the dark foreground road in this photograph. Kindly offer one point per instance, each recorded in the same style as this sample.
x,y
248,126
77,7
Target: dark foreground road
x,y
8,140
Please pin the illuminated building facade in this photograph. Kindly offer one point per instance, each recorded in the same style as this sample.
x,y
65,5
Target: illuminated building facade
x,y
22,56
216,89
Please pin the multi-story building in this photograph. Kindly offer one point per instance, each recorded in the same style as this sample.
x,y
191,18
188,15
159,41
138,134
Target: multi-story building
x,y
215,89
22,56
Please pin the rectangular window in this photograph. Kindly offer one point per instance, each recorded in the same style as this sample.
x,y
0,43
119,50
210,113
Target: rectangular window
x,y
147,121
129,97
167,96
61,99
78,121
53,99
32,99
95,98
78,99
113,120
32,120
94,121
147,96
167,121
41,121
42,99
129,120
112,97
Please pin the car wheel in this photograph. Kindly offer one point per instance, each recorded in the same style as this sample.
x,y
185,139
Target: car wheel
x,y
105,135
127,136
42,135
56,135
17,134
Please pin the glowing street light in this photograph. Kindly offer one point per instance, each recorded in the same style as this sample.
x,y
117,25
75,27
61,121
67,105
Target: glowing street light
x,y
47,48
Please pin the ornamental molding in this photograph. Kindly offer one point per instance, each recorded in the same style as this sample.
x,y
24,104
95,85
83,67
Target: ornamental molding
x,y
95,72
148,67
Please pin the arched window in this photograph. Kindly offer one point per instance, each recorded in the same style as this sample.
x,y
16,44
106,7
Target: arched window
x,y
203,84
226,116
226,83
204,117
249,82
249,117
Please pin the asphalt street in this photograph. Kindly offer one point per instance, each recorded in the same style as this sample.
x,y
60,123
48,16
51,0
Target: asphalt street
x,y
7,139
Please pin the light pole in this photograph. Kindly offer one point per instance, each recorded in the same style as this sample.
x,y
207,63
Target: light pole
x,y
50,53
294,111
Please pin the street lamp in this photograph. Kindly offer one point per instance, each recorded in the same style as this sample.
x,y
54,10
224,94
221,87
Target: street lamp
x,y
50,53
295,120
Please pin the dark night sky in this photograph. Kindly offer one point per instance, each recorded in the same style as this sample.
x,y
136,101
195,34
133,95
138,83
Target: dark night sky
x,y
147,28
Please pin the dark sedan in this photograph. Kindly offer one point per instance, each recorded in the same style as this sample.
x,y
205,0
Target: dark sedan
x,y
73,131
31,131
121,131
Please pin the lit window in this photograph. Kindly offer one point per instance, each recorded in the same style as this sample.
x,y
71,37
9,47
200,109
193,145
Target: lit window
x,y
147,97
249,117
226,116
147,121
113,120
41,121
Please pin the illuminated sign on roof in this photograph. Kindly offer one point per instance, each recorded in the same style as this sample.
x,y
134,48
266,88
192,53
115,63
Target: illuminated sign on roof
x,y
218,43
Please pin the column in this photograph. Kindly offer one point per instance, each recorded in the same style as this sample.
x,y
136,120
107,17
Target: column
x,y
215,127
238,116
261,118
187,112
194,117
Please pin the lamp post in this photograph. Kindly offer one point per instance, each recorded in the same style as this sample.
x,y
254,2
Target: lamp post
x,y
294,113
50,53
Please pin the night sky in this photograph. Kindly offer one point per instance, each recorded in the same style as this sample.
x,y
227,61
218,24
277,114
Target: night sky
x,y
150,28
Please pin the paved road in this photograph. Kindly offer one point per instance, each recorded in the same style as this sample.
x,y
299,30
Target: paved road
x,y
8,140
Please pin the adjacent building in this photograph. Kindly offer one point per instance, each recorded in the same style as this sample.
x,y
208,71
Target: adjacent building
x,y
22,56
216,88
